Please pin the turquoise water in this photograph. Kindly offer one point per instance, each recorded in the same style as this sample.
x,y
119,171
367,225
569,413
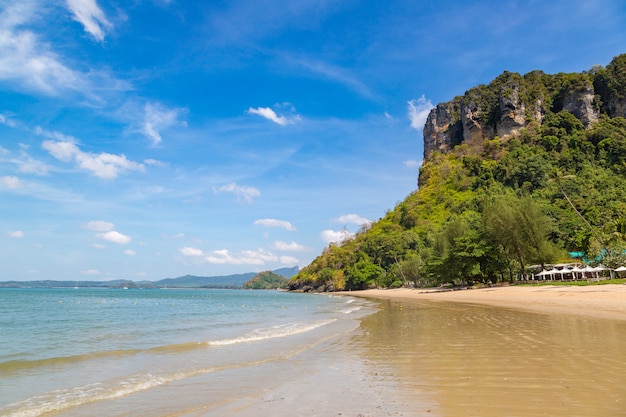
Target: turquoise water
x,y
106,352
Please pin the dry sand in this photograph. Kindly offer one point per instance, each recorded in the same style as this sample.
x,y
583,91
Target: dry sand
x,y
599,301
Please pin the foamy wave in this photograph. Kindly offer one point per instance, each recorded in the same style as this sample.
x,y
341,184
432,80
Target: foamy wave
x,y
351,310
61,400
273,332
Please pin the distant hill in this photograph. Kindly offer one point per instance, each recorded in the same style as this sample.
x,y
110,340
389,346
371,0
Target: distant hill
x,y
186,281
265,281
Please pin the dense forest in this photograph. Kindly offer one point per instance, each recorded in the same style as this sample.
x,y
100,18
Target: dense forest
x,y
526,171
266,280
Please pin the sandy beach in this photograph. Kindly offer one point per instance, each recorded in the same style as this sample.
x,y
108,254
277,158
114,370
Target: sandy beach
x,y
505,351
599,301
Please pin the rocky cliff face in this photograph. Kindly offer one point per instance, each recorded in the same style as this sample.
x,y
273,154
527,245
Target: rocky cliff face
x,y
511,102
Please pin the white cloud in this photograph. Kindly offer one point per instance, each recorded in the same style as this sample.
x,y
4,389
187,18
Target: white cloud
x,y
99,226
28,63
90,16
412,163
289,260
6,121
275,223
97,246
241,191
10,182
247,257
130,252
336,236
15,234
187,251
293,246
352,219
25,59
270,114
418,112
115,237
91,272
158,118
154,162
103,165
32,166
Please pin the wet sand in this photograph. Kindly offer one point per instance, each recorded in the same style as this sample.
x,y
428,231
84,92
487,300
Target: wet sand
x,y
518,351
515,351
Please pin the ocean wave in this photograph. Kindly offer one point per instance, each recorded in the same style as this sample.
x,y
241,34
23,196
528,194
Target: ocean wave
x,y
64,399
282,330
20,365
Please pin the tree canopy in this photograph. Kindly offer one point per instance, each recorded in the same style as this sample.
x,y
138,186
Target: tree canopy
x,y
485,211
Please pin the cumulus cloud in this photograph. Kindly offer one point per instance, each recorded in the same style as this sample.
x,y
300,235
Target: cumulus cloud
x,y
17,234
187,251
87,13
418,112
130,252
158,118
241,191
352,219
271,115
10,182
284,246
336,236
275,223
102,165
115,237
289,260
99,226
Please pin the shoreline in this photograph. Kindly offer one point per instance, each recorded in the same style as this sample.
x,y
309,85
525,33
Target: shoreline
x,y
598,301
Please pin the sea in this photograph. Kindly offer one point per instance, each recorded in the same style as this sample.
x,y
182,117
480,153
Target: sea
x,y
157,352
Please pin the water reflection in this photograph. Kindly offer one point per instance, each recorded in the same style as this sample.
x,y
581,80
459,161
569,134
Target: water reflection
x,y
484,361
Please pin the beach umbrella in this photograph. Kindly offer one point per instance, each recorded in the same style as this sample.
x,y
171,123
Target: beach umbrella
x,y
544,273
589,269
577,270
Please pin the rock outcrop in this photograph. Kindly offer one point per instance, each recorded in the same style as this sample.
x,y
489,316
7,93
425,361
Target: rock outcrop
x,y
511,102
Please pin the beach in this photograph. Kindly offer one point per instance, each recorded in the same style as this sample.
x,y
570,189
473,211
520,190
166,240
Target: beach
x,y
507,351
511,351
599,301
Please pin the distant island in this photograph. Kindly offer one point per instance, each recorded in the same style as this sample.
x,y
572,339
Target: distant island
x,y
235,281
266,280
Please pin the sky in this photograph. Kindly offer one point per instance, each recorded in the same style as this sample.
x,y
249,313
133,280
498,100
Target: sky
x,y
149,139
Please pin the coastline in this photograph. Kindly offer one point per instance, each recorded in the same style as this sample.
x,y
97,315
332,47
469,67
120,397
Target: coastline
x,y
523,351
596,301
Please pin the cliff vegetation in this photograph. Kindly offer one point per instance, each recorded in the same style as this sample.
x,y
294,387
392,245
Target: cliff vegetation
x,y
527,170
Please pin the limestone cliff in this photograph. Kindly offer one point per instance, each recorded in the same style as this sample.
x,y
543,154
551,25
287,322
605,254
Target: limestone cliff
x,y
512,102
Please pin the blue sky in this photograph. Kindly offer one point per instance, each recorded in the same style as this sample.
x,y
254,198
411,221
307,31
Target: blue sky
x,y
151,139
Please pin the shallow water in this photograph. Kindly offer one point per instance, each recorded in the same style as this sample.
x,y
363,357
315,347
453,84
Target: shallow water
x,y
154,352
483,361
